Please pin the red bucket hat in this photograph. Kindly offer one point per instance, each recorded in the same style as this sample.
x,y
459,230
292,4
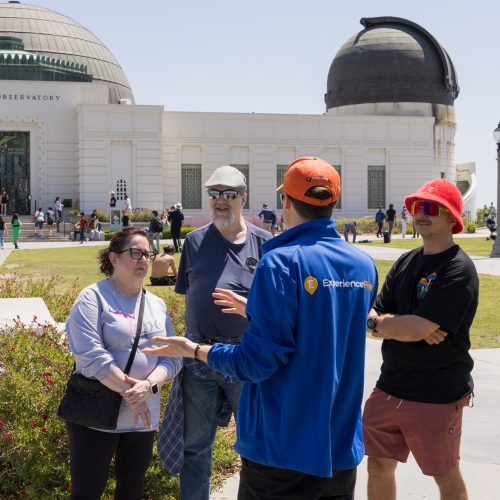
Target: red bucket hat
x,y
307,172
444,193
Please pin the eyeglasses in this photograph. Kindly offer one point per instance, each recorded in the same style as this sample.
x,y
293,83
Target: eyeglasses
x,y
228,194
137,254
282,197
427,207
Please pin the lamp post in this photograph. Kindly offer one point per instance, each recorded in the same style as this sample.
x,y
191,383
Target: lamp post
x,y
495,251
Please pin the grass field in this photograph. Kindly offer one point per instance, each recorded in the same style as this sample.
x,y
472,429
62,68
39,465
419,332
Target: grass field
x,y
81,264
472,246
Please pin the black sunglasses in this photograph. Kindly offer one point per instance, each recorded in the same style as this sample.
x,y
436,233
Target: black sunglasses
x,y
137,254
228,194
282,197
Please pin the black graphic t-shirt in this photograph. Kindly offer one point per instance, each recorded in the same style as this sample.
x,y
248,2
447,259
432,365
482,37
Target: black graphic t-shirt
x,y
442,288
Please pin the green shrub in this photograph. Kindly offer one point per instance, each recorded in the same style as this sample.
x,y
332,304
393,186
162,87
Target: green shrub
x,y
167,233
141,215
108,234
102,215
470,227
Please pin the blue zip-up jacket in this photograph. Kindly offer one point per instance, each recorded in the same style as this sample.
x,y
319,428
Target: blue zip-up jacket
x,y
302,356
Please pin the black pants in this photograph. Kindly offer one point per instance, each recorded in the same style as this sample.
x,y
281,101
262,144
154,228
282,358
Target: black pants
x,y
380,227
260,482
163,281
91,454
176,237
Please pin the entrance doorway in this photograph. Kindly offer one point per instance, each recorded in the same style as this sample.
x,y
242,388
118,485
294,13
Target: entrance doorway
x,y
15,170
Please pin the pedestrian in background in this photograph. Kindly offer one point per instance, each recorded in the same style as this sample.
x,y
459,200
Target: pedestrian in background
x,y
390,216
176,220
350,227
84,224
2,232
379,219
16,226
4,200
58,207
404,220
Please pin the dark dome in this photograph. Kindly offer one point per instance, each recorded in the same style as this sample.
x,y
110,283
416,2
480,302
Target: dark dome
x,y
49,33
391,60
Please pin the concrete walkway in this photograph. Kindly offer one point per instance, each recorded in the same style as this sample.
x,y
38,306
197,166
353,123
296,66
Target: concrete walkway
x,y
480,460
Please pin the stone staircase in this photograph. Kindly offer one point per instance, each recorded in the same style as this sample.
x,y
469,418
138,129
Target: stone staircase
x,y
65,229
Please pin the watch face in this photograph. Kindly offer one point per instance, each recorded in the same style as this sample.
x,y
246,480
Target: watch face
x,y
371,324
154,388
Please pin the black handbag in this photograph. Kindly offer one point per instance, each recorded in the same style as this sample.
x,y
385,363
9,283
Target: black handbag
x,y
89,403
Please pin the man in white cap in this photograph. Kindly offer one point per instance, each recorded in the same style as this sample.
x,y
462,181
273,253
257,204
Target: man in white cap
x,y
222,254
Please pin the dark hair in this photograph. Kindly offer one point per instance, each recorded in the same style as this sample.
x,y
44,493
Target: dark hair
x,y
117,244
309,212
169,249
155,213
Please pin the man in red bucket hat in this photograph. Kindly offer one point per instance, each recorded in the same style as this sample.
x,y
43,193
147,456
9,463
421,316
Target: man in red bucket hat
x,y
423,312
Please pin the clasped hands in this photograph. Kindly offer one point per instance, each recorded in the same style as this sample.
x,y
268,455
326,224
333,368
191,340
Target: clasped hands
x,y
135,399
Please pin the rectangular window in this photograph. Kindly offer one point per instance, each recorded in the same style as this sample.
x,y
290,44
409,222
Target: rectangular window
x,y
280,172
376,186
245,170
191,186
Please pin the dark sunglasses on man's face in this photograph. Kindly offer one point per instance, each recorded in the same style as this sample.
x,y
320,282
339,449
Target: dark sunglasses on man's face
x,y
282,197
228,194
427,207
137,254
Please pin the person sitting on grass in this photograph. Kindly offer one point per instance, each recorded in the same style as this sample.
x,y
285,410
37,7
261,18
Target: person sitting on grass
x,y
164,270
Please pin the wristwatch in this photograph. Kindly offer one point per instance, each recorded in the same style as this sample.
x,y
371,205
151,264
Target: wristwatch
x,y
153,387
371,324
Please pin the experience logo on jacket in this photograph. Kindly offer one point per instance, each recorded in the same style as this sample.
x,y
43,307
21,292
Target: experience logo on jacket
x,y
311,284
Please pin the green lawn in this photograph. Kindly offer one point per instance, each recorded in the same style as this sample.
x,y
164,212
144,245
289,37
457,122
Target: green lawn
x,y
81,264
472,246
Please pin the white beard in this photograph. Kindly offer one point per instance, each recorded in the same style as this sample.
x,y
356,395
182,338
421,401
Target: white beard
x,y
222,222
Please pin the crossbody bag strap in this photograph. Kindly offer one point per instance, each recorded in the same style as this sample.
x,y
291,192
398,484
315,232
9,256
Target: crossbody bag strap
x,y
137,334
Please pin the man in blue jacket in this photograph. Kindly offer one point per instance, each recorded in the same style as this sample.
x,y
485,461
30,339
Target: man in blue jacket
x,y
302,356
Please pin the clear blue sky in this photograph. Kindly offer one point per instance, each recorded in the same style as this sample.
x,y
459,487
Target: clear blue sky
x,y
273,56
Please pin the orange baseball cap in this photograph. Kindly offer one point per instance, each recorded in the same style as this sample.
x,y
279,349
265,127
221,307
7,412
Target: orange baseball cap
x,y
307,172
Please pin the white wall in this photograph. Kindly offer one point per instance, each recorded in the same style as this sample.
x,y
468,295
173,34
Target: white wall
x,y
47,111
404,144
120,142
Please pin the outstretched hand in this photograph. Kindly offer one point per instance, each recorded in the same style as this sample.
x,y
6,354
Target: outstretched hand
x,y
232,302
173,347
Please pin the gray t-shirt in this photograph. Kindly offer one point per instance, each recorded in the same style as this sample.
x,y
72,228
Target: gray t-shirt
x,y
208,261
101,328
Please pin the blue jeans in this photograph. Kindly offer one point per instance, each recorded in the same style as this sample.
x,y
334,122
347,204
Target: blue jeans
x,y
2,234
201,401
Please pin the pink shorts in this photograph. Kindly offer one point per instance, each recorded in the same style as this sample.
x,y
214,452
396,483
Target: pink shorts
x,y
392,427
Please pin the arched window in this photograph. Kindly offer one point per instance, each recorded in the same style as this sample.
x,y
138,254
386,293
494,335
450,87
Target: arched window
x,y
121,189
